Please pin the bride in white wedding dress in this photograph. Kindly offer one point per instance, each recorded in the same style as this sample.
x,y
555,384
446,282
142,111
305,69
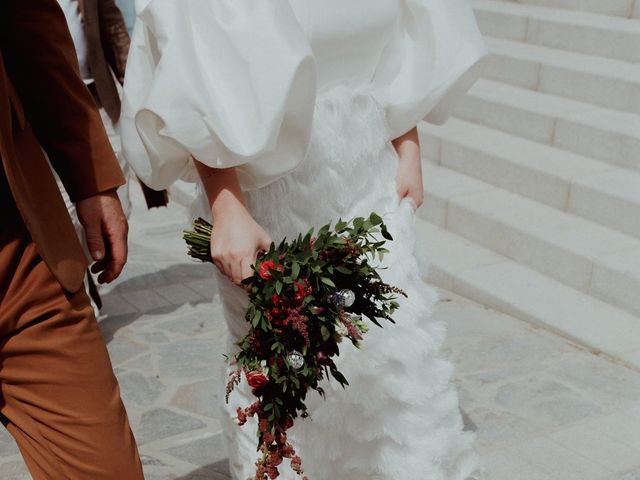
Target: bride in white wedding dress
x,y
292,114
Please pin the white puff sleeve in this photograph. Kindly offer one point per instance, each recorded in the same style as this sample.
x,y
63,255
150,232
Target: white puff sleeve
x,y
432,59
229,83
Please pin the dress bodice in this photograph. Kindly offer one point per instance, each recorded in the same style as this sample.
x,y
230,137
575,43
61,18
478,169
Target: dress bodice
x,y
347,46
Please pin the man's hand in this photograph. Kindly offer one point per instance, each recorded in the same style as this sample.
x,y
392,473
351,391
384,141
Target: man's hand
x,y
106,229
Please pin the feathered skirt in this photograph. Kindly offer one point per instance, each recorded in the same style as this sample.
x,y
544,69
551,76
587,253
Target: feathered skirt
x,y
399,417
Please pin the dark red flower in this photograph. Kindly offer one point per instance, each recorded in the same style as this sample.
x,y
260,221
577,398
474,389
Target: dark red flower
x,y
302,290
266,267
268,438
263,425
296,464
242,416
288,423
257,381
275,299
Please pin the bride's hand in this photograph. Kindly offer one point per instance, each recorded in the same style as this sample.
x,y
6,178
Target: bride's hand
x,y
409,177
237,238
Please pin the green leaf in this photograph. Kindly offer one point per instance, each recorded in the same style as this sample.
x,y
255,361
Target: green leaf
x,y
255,321
278,287
344,270
295,270
339,377
375,218
324,331
328,281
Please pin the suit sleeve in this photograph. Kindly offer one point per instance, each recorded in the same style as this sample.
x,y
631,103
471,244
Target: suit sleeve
x,y
115,37
42,64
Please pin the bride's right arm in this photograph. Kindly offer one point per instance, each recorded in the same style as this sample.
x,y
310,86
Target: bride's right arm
x,y
237,237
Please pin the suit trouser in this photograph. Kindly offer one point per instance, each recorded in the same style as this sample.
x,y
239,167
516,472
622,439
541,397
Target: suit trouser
x,y
59,397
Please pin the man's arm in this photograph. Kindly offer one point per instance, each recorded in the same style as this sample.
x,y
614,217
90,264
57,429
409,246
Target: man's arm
x,y
41,61
115,37
42,64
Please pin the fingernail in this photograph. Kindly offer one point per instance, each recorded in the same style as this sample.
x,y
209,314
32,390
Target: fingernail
x,y
97,255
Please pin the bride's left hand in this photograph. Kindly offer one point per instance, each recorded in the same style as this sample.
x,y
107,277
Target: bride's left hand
x,y
409,177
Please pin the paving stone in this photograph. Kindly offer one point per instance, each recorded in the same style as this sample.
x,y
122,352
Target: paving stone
x,y
113,304
8,445
632,475
201,452
195,323
202,397
177,294
14,470
205,287
145,300
161,423
140,276
601,380
153,337
500,427
193,358
188,272
148,460
124,349
546,400
138,390
143,363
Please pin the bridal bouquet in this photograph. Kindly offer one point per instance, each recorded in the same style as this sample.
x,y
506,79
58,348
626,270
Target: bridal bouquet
x,y
306,297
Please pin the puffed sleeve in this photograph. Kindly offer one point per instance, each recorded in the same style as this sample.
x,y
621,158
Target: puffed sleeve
x,y
432,59
229,83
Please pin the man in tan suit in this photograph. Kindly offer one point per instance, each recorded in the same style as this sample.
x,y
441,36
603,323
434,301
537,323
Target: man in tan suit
x,y
58,395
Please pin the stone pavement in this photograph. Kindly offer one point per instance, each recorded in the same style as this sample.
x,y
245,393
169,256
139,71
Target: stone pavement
x,y
543,408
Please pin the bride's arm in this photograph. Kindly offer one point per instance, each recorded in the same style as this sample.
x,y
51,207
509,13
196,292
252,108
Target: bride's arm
x,y
409,178
237,238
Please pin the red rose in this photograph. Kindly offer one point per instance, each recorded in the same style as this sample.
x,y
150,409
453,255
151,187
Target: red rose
x,y
257,381
301,291
266,267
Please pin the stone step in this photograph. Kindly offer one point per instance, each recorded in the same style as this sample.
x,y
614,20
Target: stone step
x,y
582,32
588,257
618,8
608,135
497,282
569,182
610,83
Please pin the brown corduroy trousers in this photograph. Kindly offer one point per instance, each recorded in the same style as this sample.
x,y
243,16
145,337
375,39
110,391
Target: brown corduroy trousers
x,y
59,397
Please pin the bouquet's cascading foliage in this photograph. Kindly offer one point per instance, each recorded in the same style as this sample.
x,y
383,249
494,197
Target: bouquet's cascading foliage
x,y
306,297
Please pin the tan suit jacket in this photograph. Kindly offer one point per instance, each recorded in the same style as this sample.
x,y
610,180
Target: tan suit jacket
x,y
44,102
108,46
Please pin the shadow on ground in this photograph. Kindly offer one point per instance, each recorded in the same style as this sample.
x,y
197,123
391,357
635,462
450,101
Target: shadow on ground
x,y
157,292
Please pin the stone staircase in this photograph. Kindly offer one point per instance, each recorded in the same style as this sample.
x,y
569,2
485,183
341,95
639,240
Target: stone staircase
x,y
533,188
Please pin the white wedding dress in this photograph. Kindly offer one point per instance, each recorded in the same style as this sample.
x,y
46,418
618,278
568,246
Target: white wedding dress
x,y
303,97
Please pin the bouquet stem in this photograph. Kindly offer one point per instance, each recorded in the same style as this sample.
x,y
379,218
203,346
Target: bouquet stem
x,y
198,240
